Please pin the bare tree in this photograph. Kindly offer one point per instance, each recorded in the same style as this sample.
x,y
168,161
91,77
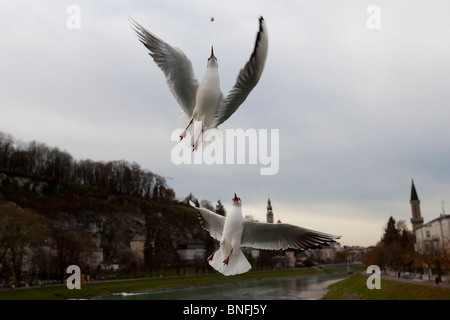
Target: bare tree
x,y
6,149
20,228
69,246
434,256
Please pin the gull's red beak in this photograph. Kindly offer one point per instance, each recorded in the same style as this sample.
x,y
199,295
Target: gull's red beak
x,y
235,199
212,53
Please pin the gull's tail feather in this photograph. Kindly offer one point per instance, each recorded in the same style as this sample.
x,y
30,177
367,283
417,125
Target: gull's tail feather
x,y
237,263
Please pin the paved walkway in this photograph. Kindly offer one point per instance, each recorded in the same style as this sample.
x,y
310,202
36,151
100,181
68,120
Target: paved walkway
x,y
424,282
413,281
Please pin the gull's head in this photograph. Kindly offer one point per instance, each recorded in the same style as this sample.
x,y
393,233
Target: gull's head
x,y
212,60
236,200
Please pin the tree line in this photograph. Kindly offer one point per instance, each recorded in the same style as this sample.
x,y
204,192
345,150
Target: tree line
x,y
395,251
39,160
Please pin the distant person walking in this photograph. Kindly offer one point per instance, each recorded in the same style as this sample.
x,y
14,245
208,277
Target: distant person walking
x,y
437,280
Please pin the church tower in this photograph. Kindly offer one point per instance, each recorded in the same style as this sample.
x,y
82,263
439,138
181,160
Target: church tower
x,y
416,219
269,212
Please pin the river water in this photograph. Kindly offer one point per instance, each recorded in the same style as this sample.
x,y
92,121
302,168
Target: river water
x,y
304,287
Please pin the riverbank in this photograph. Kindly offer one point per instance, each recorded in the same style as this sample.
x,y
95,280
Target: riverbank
x,y
97,289
290,288
391,288
347,288
318,291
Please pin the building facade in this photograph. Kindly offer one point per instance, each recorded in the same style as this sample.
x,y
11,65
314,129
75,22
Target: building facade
x,y
433,234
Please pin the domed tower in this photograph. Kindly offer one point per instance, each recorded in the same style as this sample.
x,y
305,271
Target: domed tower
x,y
269,212
416,220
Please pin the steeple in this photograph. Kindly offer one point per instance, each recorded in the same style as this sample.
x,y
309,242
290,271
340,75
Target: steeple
x,y
269,212
414,196
416,220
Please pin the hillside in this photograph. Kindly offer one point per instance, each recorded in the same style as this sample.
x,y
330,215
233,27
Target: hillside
x,y
56,211
102,219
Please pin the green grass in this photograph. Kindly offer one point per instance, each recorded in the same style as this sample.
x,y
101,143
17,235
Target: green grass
x,y
355,288
107,288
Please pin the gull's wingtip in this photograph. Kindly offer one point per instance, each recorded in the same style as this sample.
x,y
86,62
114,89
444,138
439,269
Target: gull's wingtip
x,y
131,20
262,23
192,204
333,238
134,24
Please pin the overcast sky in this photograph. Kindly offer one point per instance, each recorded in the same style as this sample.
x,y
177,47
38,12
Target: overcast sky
x,y
360,96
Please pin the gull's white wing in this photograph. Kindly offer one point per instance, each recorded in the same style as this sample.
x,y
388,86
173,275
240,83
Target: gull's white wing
x,y
247,79
176,67
210,221
276,236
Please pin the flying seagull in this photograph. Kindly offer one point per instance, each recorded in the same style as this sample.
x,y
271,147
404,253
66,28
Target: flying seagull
x,y
234,232
204,101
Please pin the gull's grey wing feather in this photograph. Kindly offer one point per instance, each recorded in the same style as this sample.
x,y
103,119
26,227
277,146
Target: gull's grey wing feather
x,y
276,236
247,79
210,221
176,67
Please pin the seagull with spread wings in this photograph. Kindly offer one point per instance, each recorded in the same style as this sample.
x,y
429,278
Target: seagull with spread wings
x,y
233,232
204,101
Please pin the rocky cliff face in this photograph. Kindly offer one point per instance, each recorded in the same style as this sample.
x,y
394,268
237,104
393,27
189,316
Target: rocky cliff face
x,y
23,182
120,227
110,221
